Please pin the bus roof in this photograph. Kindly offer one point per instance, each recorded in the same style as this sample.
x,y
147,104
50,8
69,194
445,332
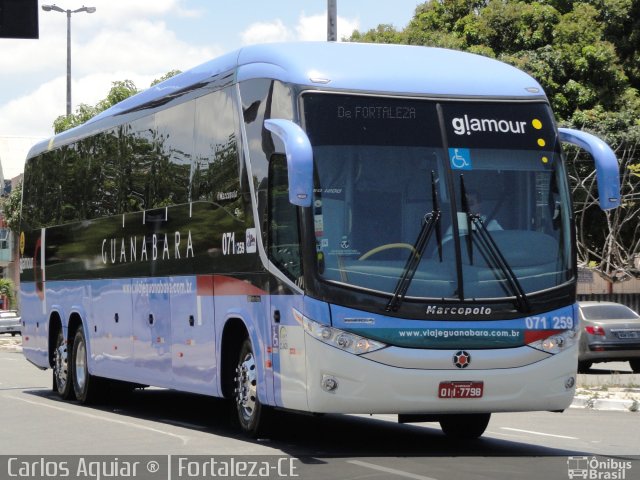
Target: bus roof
x,y
377,68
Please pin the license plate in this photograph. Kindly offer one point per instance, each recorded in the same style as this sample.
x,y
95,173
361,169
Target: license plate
x,y
631,334
460,389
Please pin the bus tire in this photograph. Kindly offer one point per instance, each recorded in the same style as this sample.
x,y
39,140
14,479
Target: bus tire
x,y
85,385
251,414
635,365
464,426
62,374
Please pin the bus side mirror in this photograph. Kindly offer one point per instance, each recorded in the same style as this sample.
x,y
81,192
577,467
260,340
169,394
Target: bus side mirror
x,y
607,170
299,159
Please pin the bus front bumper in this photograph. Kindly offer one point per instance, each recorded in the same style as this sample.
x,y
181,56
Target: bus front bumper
x,y
340,382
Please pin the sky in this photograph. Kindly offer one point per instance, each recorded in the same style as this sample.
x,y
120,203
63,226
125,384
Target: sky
x,y
141,40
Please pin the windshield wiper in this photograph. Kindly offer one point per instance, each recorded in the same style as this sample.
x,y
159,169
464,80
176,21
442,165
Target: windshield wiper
x,y
494,254
430,224
491,251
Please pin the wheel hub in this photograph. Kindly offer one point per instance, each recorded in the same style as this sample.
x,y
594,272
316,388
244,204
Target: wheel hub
x,y
246,386
61,365
80,370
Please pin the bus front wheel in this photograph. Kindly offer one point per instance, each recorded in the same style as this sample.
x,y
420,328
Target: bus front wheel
x,y
251,413
467,426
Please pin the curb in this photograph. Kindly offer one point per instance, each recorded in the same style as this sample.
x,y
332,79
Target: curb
x,y
11,345
11,349
606,404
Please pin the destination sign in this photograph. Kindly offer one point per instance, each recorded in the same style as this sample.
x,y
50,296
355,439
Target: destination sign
x,y
361,120
376,112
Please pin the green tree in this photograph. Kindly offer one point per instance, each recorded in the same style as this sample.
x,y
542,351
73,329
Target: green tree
x,y
166,76
381,34
11,208
7,288
120,90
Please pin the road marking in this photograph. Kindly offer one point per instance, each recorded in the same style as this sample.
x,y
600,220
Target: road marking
x,y
392,471
502,434
182,438
539,433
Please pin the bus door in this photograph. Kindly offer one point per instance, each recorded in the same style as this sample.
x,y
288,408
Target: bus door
x,y
284,252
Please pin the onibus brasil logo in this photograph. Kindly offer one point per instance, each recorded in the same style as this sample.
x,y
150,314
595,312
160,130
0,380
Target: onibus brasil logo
x,y
594,468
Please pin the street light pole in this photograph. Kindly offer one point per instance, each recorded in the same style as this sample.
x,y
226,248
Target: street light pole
x,y
332,20
48,8
68,63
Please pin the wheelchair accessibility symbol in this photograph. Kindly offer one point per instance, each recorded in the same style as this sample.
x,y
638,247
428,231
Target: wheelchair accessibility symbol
x,y
460,158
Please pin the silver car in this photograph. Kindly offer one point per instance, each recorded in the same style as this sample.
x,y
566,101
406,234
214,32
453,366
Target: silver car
x,y
610,332
10,322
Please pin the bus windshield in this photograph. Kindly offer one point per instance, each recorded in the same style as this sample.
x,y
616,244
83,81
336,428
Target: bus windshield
x,y
492,171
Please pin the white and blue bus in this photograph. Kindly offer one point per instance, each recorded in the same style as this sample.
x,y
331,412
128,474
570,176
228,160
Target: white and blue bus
x,y
316,227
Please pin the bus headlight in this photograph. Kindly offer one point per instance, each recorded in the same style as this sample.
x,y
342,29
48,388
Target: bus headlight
x,y
337,338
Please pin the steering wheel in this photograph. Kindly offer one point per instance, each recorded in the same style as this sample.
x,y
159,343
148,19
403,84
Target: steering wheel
x,y
387,246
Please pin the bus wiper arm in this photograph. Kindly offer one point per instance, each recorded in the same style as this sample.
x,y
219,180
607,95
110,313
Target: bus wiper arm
x,y
465,208
493,255
490,250
431,223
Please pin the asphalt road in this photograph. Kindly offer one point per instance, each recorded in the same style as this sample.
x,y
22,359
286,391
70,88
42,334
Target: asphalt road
x,y
538,445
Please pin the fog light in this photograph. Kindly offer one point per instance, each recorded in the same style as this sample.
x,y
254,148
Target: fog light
x,y
569,383
329,383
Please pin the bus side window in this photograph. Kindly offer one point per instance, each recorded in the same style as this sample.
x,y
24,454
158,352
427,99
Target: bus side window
x,y
283,227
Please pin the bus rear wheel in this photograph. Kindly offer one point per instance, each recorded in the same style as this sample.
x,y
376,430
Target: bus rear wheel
x,y
85,385
251,413
62,375
467,426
